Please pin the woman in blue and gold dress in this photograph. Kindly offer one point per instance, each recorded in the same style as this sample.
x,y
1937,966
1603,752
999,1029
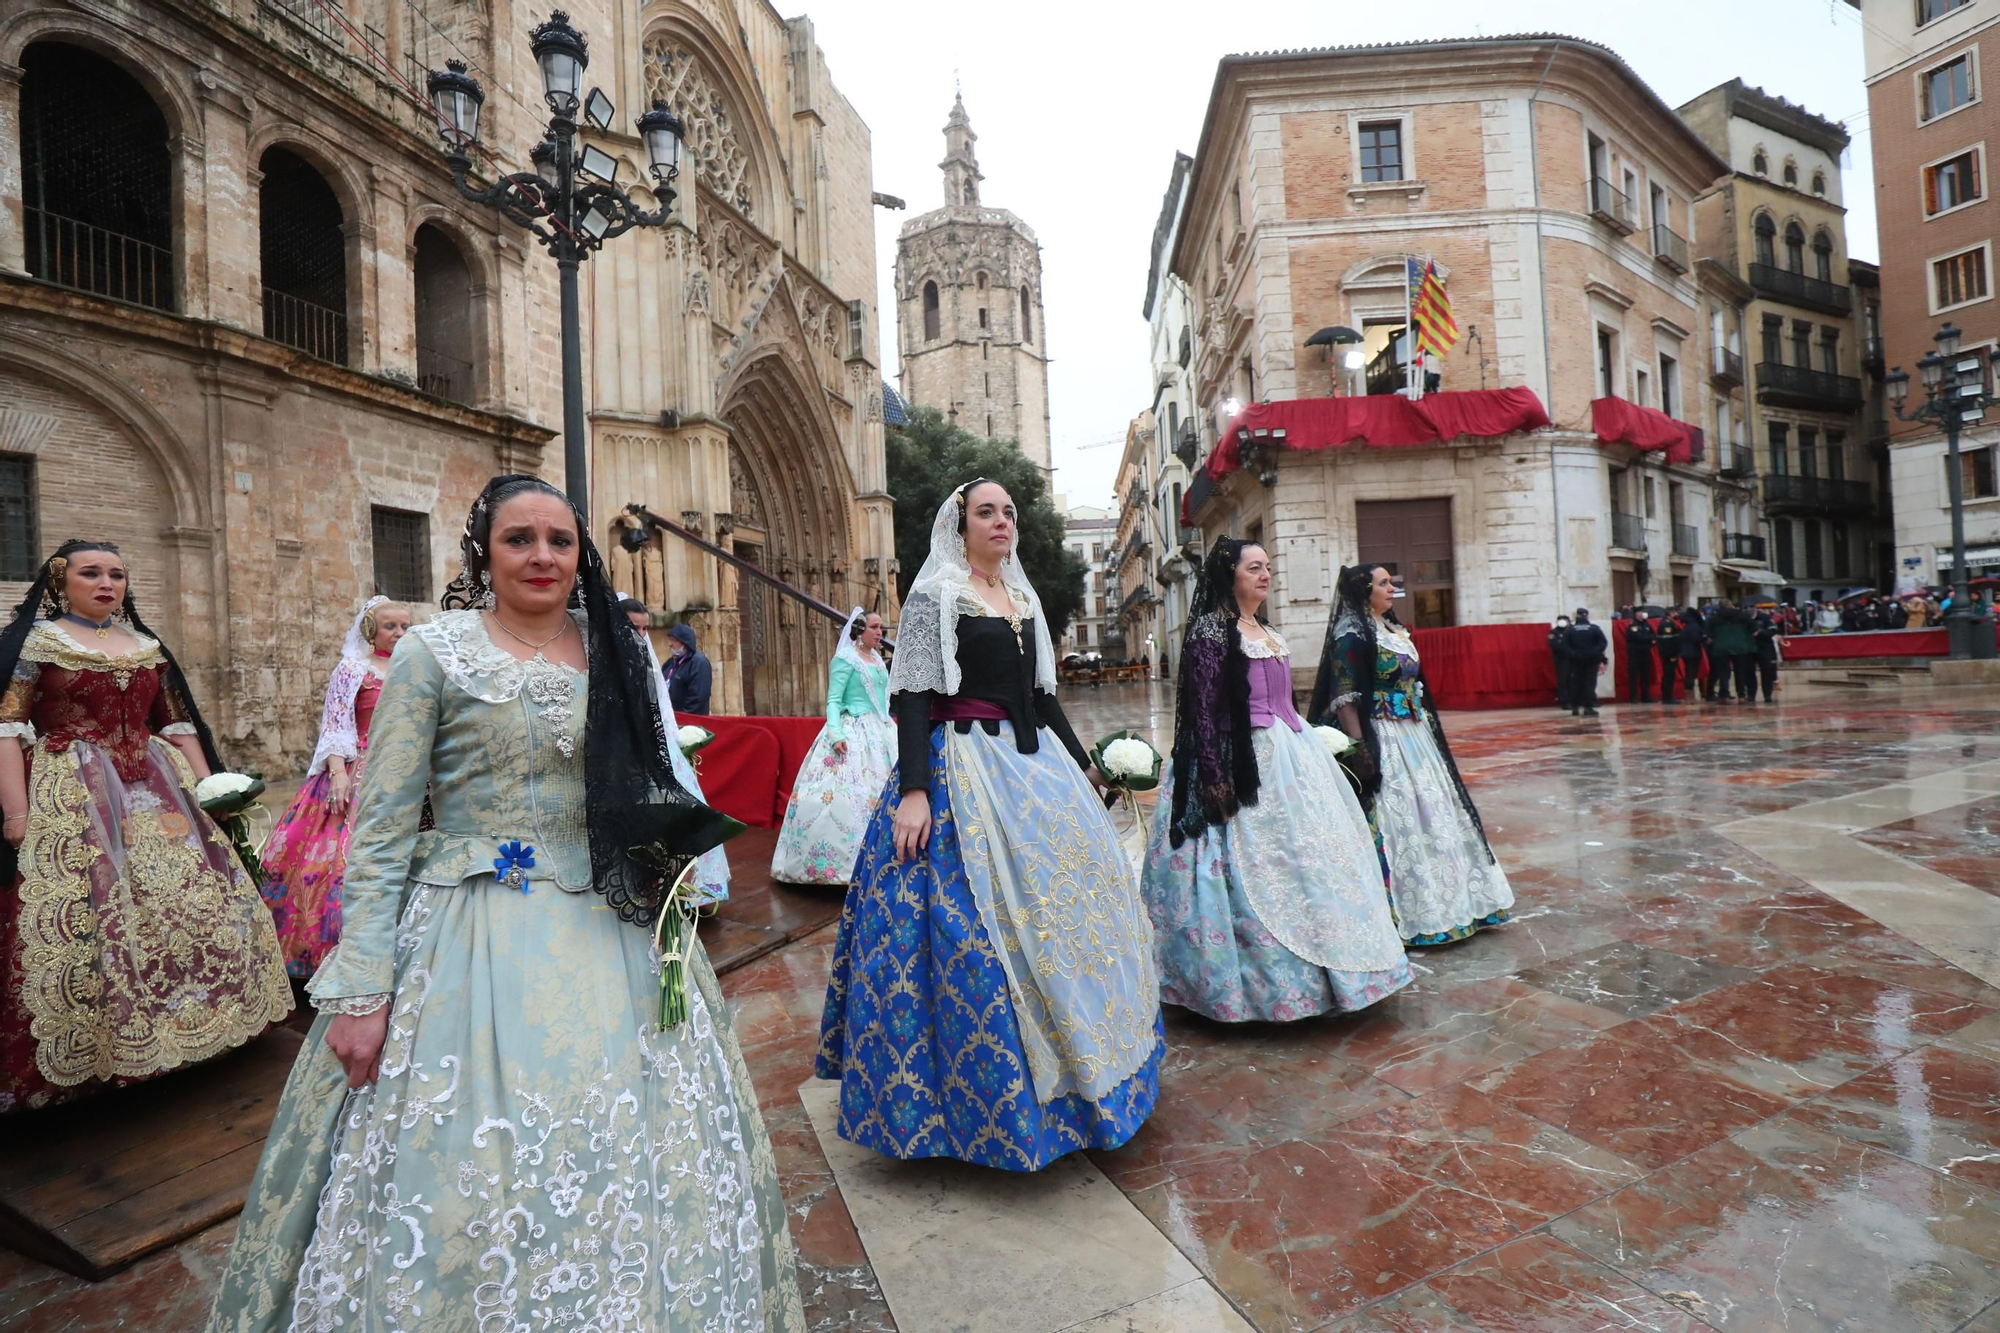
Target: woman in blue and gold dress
x,y
993,996
488,1127
1444,881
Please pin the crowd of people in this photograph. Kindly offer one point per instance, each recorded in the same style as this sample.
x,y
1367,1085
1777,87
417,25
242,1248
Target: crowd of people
x,y
485,887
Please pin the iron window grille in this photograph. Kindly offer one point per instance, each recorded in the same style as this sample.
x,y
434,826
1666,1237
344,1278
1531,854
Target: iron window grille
x,y
402,554
19,541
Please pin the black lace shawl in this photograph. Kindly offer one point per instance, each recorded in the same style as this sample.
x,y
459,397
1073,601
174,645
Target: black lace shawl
x,y
643,825
1214,766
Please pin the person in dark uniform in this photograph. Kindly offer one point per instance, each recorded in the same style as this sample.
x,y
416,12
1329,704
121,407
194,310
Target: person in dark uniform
x,y
1670,654
1692,630
1584,649
1640,640
1764,629
1559,651
1716,688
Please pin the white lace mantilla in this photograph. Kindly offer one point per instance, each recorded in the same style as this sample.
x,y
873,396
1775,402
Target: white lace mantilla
x,y
1271,645
472,661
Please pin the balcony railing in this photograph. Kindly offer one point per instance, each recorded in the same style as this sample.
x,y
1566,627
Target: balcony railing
x,y
1738,461
1797,386
1743,546
443,376
1797,289
1871,354
1612,205
1815,495
1670,247
314,329
1628,531
1727,367
1687,541
75,254
1187,444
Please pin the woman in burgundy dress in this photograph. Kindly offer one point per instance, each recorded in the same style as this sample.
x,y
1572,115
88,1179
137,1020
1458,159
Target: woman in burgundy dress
x,y
131,941
305,859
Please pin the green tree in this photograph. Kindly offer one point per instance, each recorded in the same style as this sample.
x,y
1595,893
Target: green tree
x,y
930,457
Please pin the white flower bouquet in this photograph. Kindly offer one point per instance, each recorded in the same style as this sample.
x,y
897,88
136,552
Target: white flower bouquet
x,y
693,740
228,798
1337,742
1128,765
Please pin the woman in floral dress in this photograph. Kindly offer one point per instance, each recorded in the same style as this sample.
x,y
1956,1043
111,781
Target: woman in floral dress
x,y
131,941
306,854
840,780
1444,880
1263,884
488,1127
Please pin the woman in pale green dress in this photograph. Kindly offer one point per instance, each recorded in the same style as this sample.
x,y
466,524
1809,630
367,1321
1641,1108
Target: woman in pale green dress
x,y
488,1129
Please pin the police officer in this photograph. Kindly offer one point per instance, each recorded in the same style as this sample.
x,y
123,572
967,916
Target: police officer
x,y
1559,651
1640,641
1585,648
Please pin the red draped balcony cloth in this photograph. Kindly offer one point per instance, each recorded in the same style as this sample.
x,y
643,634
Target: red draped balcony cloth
x,y
1381,421
1616,421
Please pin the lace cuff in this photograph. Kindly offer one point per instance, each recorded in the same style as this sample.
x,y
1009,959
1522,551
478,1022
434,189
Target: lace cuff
x,y
21,731
173,729
1341,700
353,1006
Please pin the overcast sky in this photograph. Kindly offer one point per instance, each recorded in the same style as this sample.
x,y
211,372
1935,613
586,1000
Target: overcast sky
x,y
1080,106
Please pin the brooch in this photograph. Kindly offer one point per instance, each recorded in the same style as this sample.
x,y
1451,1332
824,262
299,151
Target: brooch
x,y
513,864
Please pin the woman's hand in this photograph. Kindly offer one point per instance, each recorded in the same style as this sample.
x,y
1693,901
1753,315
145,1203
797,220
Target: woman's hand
x,y
912,825
840,749
1096,778
356,1041
339,788
15,829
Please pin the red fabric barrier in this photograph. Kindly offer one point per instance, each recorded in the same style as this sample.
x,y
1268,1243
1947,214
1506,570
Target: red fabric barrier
x,y
1869,643
1381,421
1616,421
1479,667
748,771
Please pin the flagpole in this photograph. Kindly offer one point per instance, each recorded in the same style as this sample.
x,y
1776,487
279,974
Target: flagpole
x,y
1409,335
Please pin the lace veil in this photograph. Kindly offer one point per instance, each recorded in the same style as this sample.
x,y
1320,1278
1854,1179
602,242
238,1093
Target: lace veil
x,y
339,729
927,636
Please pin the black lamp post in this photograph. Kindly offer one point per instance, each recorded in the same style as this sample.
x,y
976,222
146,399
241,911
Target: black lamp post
x,y
1955,396
571,201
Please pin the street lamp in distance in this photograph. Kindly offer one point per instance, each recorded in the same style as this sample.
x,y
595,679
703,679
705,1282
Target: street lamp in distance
x,y
571,201
1954,397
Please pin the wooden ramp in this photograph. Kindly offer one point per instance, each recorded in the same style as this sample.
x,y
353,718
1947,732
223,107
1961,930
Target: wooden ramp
x,y
94,1187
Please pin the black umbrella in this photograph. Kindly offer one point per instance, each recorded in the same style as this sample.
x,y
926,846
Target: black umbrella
x,y
1333,334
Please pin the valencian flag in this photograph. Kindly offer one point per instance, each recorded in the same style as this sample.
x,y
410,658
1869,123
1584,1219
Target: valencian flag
x,y
1430,310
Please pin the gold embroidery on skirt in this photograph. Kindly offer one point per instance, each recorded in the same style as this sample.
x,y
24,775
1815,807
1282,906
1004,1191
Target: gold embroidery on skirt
x,y
175,913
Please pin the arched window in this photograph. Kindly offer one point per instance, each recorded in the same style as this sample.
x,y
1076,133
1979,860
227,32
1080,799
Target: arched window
x,y
96,178
1823,256
982,282
1767,240
447,347
931,329
304,257
1792,174
1027,316
1819,184
1759,163
1795,247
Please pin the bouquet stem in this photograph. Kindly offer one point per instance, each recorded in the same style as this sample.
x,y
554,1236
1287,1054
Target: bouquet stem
x,y
670,937
237,826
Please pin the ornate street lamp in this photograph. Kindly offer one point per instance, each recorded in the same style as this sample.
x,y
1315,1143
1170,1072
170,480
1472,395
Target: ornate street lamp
x,y
571,201
1954,397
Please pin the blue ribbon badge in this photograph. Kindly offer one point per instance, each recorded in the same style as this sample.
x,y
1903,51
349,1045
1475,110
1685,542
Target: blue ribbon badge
x,y
513,864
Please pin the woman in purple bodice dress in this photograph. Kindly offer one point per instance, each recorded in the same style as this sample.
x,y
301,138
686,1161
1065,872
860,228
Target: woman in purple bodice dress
x,y
1264,885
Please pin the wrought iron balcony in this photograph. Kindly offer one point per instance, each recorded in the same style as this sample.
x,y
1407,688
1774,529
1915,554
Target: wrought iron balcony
x,y
1745,546
1726,368
1871,354
1781,284
1738,461
75,254
1798,386
443,376
1687,541
1611,205
1628,531
1187,444
314,329
1670,247
1815,495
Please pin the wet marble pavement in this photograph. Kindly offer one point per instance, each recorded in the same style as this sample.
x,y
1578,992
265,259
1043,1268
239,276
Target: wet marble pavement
x,y
1693,1086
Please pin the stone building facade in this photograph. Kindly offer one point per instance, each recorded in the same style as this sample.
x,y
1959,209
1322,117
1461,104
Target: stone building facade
x,y
1779,220
249,328
1136,544
1091,531
1928,67
1177,416
970,329
1519,167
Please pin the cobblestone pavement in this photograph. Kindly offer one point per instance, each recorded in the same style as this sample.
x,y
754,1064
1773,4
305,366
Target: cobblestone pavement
x,y
1735,1065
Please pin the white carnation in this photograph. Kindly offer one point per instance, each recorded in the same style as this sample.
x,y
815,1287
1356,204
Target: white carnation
x,y
1336,741
218,785
1129,758
690,736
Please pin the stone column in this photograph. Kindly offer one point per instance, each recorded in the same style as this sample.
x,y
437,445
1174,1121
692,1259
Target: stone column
x,y
13,190
219,208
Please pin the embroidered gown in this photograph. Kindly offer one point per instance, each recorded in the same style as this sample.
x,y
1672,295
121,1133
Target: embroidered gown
x,y
306,854
535,1154
1444,882
1277,912
993,998
835,793
132,941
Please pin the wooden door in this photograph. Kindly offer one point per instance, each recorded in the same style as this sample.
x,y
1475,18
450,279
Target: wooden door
x,y
1412,540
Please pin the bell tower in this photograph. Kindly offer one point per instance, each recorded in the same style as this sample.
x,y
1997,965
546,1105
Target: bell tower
x,y
960,165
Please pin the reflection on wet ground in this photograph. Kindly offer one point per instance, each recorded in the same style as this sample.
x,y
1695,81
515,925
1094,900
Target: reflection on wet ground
x,y
1684,1090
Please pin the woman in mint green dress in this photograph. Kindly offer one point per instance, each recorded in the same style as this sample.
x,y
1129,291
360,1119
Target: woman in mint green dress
x,y
841,779
488,1128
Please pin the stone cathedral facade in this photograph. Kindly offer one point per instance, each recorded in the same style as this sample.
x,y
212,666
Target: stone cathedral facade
x,y
250,330
969,323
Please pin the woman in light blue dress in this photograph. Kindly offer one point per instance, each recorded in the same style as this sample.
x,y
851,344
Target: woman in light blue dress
x,y
839,783
488,1127
1264,885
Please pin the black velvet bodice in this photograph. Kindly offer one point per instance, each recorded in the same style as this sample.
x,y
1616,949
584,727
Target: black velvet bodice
x,y
993,668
